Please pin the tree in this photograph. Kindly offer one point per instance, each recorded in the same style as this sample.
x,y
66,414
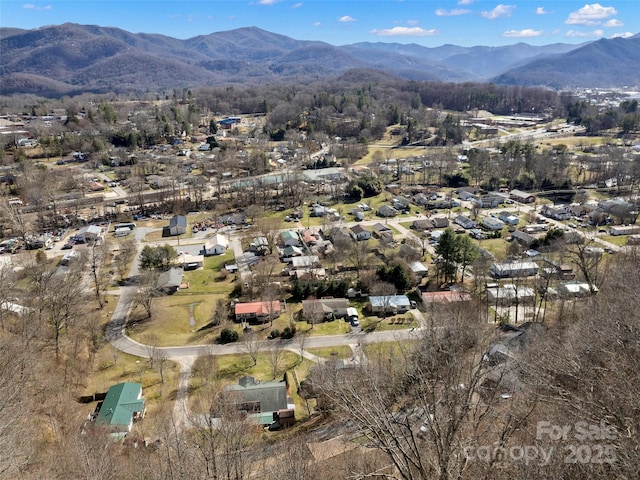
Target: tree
x,y
275,357
147,291
468,252
447,251
422,407
125,254
251,344
220,313
95,256
160,257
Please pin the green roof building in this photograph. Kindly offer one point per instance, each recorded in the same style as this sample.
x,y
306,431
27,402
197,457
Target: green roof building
x,y
122,404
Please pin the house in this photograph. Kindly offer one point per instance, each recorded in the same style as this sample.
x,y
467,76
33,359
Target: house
x,y
575,289
216,245
419,269
401,203
257,311
381,230
310,236
306,261
260,399
422,224
493,223
508,218
170,280
440,222
359,233
514,269
389,304
535,228
510,294
465,222
122,405
447,296
290,238
259,246
387,211
177,226
329,308
556,213
624,230
521,197
90,233
523,238
420,199
467,193
489,200
190,262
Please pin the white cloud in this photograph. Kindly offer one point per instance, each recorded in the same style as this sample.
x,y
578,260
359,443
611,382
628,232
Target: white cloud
x,y
412,22
527,32
465,2
622,35
31,6
595,33
590,14
346,19
317,24
614,22
296,5
541,11
267,2
500,11
405,32
441,12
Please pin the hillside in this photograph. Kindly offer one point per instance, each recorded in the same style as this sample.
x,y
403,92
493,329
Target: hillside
x,y
602,63
70,58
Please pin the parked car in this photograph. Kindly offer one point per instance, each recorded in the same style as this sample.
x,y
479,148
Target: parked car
x,y
67,246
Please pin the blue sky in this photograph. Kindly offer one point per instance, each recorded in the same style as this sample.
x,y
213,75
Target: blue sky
x,y
425,22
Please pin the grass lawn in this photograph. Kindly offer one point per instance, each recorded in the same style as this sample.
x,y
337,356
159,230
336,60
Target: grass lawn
x,y
619,240
340,351
209,374
212,278
396,322
113,367
170,323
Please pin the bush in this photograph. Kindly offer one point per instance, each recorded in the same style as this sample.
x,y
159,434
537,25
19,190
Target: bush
x,y
288,332
274,334
228,336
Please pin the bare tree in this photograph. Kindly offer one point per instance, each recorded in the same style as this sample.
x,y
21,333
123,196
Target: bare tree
x,y
95,256
422,407
275,356
251,344
147,290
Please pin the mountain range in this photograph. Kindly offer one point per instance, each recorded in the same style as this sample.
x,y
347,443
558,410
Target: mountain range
x,y
71,59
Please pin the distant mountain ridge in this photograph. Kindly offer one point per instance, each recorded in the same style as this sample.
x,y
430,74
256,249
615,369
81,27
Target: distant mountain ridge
x,y
71,59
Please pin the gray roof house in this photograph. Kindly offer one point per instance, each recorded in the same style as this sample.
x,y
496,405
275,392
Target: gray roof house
x,y
330,307
177,225
262,398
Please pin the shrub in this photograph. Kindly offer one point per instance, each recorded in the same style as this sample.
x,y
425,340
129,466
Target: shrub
x,y
228,336
274,334
288,332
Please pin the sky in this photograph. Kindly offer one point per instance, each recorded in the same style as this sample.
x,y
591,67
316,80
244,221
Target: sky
x,y
424,22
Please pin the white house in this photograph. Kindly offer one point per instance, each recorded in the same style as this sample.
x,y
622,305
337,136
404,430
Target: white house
x,y
358,232
216,245
493,223
515,269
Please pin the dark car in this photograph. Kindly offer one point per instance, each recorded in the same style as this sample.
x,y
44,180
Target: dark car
x,y
67,246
